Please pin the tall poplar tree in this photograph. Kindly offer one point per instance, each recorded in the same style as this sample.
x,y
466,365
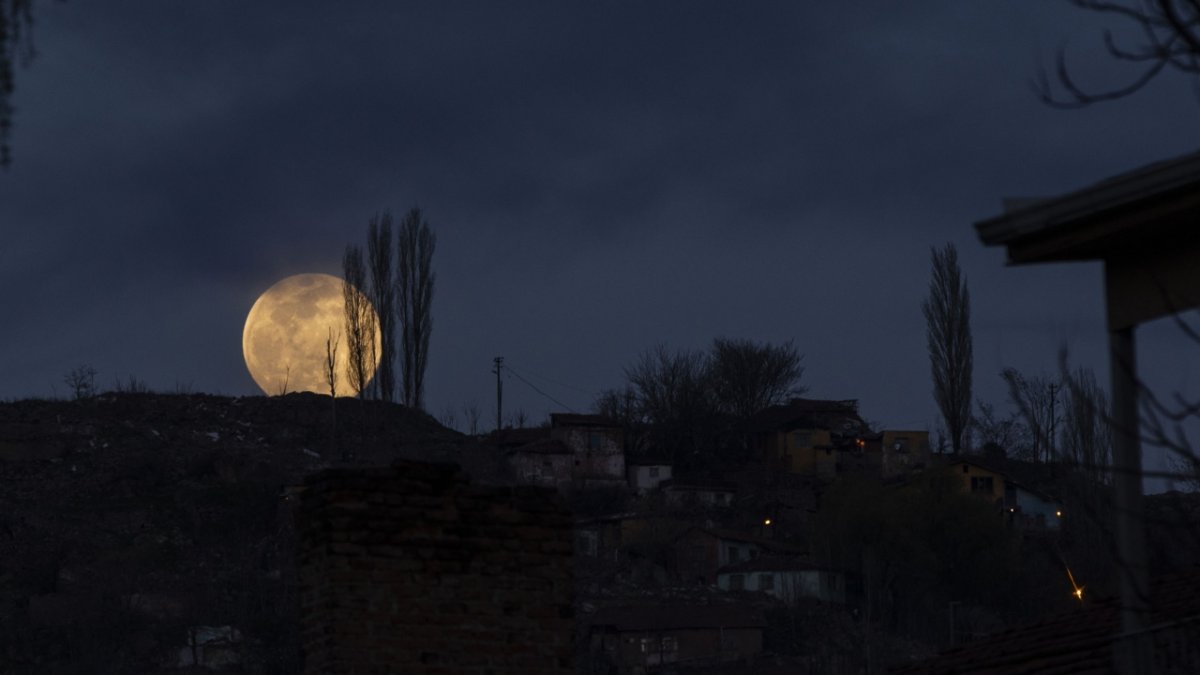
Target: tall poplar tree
x,y
382,292
360,322
414,299
948,330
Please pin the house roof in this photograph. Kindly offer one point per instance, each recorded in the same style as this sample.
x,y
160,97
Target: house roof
x,y
507,438
742,537
1044,496
646,461
771,563
806,413
541,446
1104,219
678,617
1075,642
578,420
986,466
698,484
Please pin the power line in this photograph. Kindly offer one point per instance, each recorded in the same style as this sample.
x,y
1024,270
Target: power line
x,y
561,384
533,387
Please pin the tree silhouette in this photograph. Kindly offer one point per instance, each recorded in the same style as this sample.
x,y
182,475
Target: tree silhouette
x,y
1170,40
360,321
948,330
414,299
382,292
16,23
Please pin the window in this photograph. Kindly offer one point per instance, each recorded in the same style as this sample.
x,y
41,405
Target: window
x,y
802,439
901,444
588,542
966,469
654,472
766,582
595,440
737,582
981,484
664,649
735,554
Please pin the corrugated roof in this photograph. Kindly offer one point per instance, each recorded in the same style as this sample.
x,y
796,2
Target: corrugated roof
x,y
579,420
1076,642
678,617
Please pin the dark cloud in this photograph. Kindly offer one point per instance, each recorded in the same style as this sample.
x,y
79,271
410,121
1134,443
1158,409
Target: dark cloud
x,y
602,178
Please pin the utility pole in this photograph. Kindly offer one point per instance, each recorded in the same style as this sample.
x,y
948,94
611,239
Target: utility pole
x,y
1050,449
499,361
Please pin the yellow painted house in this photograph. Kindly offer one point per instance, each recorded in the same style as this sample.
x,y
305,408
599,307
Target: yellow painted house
x,y
979,480
808,451
806,435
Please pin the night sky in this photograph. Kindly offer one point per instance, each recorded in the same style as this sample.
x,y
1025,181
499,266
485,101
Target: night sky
x,y
602,177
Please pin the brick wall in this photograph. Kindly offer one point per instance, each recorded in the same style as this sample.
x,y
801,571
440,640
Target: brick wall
x,y
411,569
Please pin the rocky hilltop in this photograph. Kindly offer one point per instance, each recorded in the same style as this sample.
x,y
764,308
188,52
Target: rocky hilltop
x,y
154,533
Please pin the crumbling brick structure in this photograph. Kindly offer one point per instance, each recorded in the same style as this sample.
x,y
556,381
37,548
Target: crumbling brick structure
x,y
411,569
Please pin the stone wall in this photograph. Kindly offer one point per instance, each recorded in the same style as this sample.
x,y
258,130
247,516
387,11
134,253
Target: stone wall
x,y
411,569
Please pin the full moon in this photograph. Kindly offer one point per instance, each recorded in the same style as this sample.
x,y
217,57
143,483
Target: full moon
x,y
284,341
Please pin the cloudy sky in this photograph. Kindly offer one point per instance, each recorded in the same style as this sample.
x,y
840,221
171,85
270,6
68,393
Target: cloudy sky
x,y
602,177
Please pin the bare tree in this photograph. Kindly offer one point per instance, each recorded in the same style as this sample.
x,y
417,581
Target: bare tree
x,y
1170,40
999,434
747,376
331,376
675,401
360,322
16,24
1086,435
472,414
331,350
518,419
82,381
382,292
414,299
948,330
1036,399
621,405
449,417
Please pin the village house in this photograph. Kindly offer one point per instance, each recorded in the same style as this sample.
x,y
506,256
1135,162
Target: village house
x,y
702,493
576,451
605,536
785,578
646,475
805,435
595,441
980,480
903,452
1031,509
545,462
700,552
826,439
641,639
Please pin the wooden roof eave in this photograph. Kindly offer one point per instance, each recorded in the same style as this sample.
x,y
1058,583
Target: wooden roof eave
x,y
1104,220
